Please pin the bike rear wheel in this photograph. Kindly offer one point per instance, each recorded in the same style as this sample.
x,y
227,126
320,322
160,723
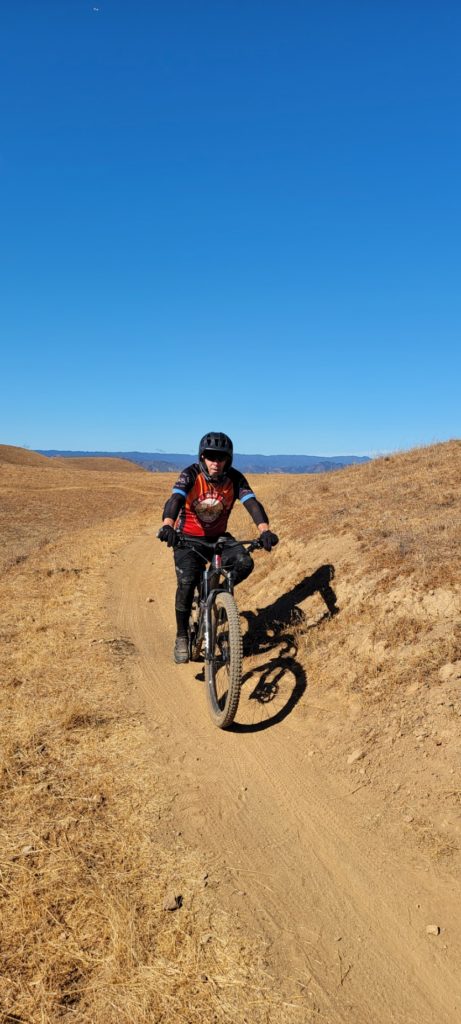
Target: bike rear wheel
x,y
224,672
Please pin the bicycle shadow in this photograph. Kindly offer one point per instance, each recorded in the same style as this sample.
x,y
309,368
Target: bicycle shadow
x,y
268,629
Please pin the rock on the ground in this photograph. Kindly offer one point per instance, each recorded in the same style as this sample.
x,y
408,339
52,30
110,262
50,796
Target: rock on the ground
x,y
355,756
172,902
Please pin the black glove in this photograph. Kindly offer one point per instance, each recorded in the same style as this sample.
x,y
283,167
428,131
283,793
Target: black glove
x,y
169,535
268,540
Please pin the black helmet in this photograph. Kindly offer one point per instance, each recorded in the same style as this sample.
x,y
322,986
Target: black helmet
x,y
219,443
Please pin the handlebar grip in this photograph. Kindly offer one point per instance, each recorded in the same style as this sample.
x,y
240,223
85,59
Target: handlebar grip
x,y
178,542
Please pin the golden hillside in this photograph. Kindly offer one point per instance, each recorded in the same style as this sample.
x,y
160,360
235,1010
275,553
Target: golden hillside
x,y
23,457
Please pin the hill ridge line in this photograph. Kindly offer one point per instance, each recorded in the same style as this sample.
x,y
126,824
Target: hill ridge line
x,y
250,463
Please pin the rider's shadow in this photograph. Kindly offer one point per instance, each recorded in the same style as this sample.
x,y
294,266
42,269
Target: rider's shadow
x,y
268,629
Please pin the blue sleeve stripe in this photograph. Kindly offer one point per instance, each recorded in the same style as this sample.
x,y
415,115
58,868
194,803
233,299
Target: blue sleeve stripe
x,y
251,495
177,490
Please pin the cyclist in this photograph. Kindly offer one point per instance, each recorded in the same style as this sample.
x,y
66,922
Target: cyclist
x,y
199,507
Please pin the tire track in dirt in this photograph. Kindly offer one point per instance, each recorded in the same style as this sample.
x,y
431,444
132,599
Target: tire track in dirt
x,y
295,861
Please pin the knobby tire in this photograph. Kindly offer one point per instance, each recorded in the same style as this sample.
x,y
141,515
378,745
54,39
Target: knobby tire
x,y
223,673
195,642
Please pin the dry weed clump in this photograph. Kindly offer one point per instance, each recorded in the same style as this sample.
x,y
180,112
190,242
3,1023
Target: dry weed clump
x,y
87,848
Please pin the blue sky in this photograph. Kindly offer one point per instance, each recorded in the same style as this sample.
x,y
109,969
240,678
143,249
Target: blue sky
x,y
231,215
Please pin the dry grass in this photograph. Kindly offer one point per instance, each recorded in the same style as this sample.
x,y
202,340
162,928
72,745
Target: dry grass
x,y
87,846
403,510
45,500
87,849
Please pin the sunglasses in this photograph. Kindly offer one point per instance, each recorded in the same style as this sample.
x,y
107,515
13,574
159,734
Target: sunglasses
x,y
214,457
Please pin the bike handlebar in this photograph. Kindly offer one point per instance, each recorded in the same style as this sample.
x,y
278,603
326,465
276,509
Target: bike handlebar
x,y
184,541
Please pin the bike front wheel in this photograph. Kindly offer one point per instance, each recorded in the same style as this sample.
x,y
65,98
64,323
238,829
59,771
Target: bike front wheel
x,y
195,638
223,672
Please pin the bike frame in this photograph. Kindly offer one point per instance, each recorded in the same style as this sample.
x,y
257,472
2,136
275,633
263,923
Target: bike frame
x,y
209,591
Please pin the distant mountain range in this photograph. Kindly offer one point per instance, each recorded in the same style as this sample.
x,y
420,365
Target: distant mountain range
x,y
164,462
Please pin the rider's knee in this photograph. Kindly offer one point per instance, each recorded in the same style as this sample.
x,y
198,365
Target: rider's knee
x,y
185,589
185,577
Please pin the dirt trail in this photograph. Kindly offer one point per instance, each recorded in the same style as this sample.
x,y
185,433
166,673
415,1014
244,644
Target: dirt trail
x,y
289,849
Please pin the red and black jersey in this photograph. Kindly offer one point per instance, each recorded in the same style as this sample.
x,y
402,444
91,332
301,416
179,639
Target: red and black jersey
x,y
202,508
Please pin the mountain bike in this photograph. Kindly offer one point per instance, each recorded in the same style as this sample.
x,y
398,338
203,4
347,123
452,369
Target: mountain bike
x,y
214,628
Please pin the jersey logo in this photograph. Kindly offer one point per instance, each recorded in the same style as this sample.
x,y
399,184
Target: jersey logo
x,y
208,509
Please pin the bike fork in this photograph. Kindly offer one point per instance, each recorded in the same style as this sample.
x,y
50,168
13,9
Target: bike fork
x,y
210,590
208,627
